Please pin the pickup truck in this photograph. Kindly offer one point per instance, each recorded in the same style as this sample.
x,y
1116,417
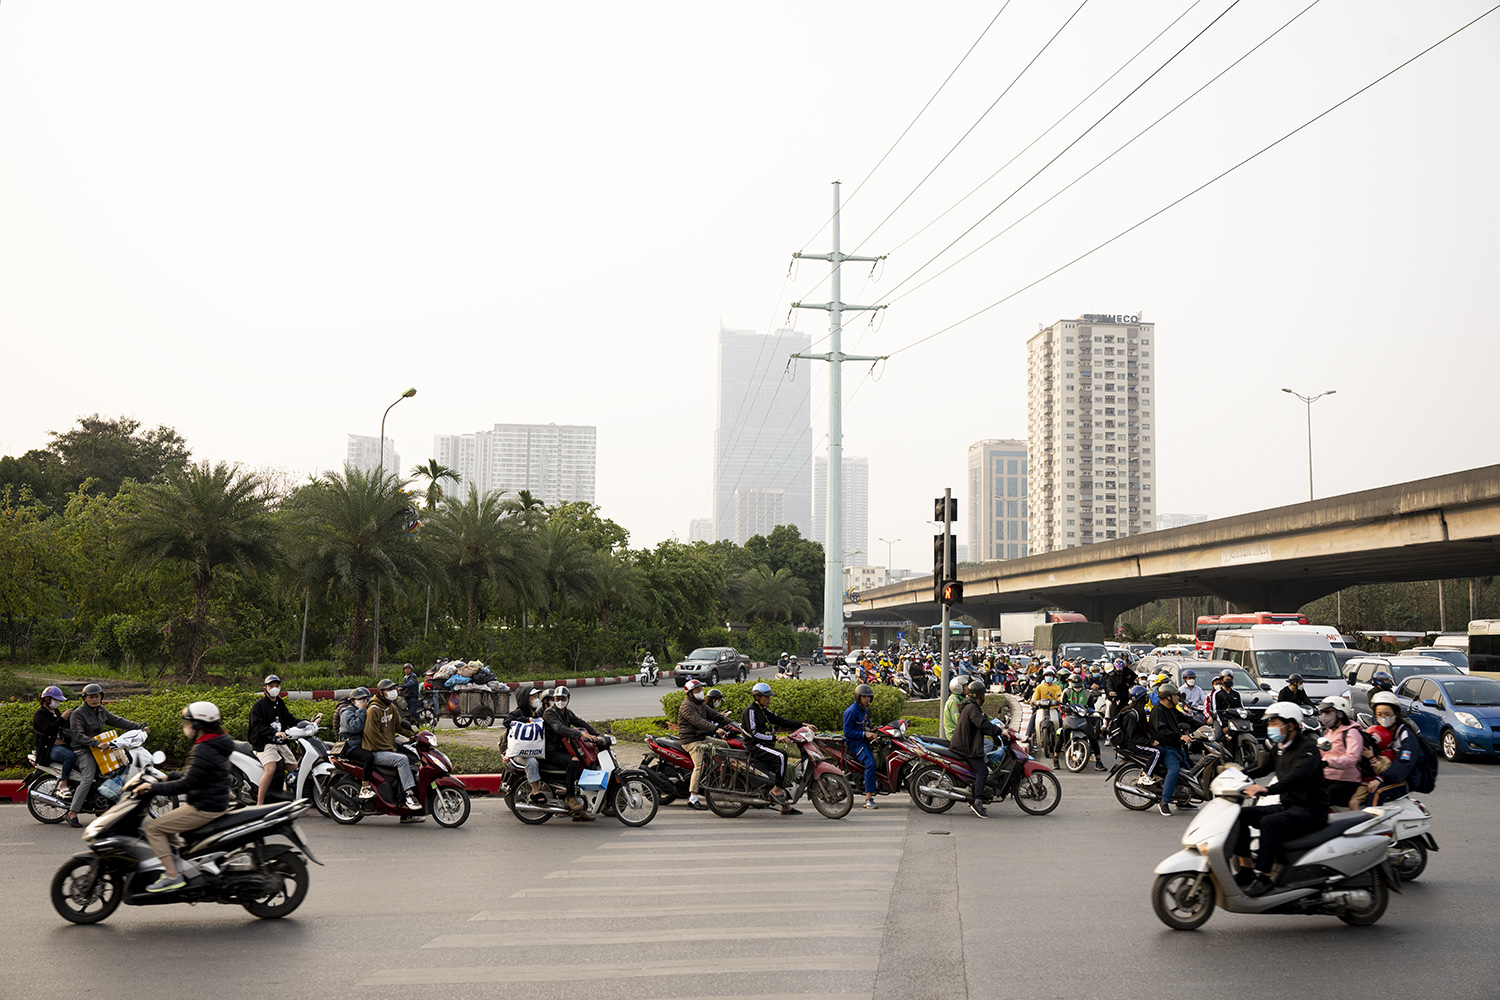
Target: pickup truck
x,y
712,664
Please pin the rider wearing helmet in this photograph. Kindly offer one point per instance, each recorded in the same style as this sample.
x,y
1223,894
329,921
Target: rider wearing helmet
x,y
49,730
1076,694
1226,697
383,721
1381,681
956,685
760,723
1193,696
968,741
204,786
1047,690
1403,751
696,722
859,730
1166,725
269,721
561,723
529,709
714,699
85,723
350,725
1346,744
1299,782
1294,692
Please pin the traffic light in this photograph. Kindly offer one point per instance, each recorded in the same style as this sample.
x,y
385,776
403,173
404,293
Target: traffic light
x,y
939,570
953,592
937,510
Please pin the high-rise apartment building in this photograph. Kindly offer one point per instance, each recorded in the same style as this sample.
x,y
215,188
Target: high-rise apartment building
x,y
701,529
555,462
997,515
363,453
1166,521
856,507
762,431
1089,404
757,512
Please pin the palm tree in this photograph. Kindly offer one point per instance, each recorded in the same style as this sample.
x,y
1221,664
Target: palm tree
x,y
569,568
434,474
357,524
532,510
777,596
477,540
621,583
204,517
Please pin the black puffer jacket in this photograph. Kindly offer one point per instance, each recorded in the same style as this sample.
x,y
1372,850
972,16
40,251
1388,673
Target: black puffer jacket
x,y
1298,767
205,783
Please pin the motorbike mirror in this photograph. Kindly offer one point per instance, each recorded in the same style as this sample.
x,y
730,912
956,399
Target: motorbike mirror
x,y
158,757
1265,687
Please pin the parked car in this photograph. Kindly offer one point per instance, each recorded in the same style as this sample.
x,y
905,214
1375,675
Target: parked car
x,y
1457,657
712,664
1360,671
1459,713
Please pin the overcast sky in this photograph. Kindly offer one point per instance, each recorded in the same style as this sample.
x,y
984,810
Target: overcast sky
x,y
259,224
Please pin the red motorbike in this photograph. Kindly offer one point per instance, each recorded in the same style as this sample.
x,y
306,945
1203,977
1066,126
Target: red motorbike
x,y
946,778
438,792
897,757
669,767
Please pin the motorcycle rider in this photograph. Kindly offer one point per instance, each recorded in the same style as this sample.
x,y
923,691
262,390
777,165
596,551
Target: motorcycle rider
x,y
204,785
696,722
968,741
1294,693
1391,783
1047,690
350,724
956,686
1299,782
383,720
411,689
269,721
648,664
859,730
1118,685
526,710
760,723
1076,695
1346,743
49,731
1227,697
1166,732
562,723
1193,696
85,723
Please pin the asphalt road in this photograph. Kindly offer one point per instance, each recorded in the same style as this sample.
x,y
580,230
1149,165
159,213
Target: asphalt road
x,y
887,904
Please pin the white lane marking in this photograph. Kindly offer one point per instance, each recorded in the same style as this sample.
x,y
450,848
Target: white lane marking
x,y
672,935
693,890
756,842
20,843
564,972
597,913
736,870
747,855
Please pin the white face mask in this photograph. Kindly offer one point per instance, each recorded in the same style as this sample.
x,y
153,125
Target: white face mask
x,y
390,694
273,692
1385,720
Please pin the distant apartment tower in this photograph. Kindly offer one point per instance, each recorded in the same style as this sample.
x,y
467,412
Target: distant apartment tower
x,y
997,515
757,512
701,529
762,432
856,507
555,462
363,453
1166,521
1090,406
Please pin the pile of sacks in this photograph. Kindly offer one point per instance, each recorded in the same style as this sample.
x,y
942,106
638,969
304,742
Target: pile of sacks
x,y
473,675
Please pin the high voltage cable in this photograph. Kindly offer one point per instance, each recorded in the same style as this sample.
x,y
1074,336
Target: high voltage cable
x,y
1111,156
1064,150
1212,180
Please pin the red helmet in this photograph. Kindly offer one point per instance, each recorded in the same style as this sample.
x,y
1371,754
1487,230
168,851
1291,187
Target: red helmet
x,y
692,686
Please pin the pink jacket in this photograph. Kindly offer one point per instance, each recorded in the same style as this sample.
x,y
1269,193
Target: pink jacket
x,y
1341,763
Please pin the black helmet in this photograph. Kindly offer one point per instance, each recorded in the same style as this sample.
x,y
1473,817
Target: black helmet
x,y
862,690
92,689
715,698
1381,681
976,689
270,679
360,694
1294,679
386,684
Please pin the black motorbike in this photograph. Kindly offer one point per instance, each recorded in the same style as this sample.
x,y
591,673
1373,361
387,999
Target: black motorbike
x,y
227,860
1239,736
1136,790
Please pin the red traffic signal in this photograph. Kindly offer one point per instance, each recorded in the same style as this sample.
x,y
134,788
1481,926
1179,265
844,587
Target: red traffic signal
x,y
953,592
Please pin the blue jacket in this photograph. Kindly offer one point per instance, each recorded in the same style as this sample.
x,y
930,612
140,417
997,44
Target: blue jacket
x,y
857,723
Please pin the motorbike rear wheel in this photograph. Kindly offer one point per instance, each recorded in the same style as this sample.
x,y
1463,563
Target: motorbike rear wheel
x,y
102,899
1177,905
1409,859
729,810
635,802
449,806
1246,750
1038,794
343,800
1076,755
932,777
1380,898
44,812
1134,801
529,816
280,902
831,795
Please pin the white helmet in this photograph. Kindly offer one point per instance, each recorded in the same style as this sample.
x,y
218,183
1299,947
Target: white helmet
x,y
1384,698
1338,703
1290,711
201,711
956,685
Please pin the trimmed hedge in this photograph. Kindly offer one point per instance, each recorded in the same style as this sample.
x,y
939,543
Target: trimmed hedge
x,y
636,730
819,702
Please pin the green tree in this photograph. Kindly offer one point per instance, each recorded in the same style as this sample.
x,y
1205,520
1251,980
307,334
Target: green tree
x,y
620,582
568,568
434,474
29,560
530,509
112,451
583,518
767,595
204,517
477,540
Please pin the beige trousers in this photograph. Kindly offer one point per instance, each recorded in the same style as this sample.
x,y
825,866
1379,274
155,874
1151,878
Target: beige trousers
x,y
159,831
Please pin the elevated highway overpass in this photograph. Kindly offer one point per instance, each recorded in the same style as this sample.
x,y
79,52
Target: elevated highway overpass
x,y
1280,559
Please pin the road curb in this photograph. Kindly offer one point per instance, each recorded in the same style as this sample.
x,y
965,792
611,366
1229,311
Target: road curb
x,y
489,784
12,790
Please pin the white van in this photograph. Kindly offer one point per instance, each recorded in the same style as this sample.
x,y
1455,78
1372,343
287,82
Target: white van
x,y
1271,654
1334,636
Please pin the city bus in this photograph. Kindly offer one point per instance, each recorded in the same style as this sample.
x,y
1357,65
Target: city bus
x,y
1208,625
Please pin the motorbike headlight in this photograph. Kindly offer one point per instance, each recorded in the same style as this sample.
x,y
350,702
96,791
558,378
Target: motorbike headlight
x,y
442,761
1467,719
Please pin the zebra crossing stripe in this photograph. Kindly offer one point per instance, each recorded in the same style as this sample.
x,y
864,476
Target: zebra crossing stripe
x,y
656,936
553,892
736,870
566,972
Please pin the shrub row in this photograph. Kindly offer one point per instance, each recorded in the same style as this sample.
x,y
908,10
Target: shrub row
x,y
819,702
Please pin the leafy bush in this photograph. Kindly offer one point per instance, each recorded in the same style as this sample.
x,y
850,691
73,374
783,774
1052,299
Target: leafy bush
x,y
13,688
636,730
473,760
819,702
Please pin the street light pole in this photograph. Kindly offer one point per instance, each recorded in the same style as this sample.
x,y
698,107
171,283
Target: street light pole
x,y
375,651
1310,400
888,543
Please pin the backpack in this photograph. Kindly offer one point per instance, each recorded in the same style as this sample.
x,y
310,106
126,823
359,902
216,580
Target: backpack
x,y
1423,775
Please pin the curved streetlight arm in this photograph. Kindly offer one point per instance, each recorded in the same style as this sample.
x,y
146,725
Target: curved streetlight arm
x,y
1310,400
408,394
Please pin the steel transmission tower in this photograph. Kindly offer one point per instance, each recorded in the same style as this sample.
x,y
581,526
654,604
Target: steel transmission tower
x,y
833,582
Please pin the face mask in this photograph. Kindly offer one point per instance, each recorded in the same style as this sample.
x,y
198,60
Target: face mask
x,y
1192,682
1385,720
362,703
390,694
698,696
1326,716
273,692
1275,735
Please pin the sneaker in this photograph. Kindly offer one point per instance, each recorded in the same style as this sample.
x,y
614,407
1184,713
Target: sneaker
x,y
366,790
978,810
700,805
1260,886
413,819
1098,766
166,883
1165,809
870,804
411,802
73,822
790,811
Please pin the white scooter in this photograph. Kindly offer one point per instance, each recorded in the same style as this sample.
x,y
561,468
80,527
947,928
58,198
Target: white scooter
x,y
650,673
41,784
313,772
1341,870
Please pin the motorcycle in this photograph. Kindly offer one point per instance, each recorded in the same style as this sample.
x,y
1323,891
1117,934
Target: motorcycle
x,y
309,780
437,791
1047,722
604,788
896,757
650,673
1136,792
733,783
1342,870
1078,723
844,672
789,672
947,779
670,768
1410,826
41,785
227,860
1239,736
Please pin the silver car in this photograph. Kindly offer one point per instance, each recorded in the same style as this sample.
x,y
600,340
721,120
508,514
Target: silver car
x,y
712,664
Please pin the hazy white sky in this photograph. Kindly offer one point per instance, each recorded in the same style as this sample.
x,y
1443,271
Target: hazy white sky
x,y
259,224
